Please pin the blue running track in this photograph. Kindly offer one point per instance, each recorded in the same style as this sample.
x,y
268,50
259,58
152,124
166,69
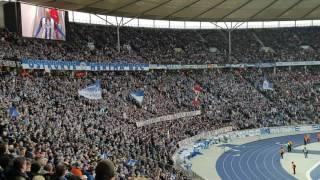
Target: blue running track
x,y
257,160
315,173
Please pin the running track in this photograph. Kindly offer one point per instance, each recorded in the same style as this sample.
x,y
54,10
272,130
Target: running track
x,y
257,160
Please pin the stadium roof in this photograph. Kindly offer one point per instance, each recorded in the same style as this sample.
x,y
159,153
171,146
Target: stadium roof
x,y
195,10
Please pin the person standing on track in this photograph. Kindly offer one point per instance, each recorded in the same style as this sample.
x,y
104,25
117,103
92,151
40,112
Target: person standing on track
x,y
318,137
308,138
293,167
305,152
289,146
281,152
305,139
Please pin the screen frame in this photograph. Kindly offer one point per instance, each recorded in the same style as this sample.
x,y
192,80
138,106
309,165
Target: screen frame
x,y
66,22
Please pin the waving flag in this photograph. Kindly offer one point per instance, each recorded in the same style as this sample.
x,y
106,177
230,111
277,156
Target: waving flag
x,y
13,113
196,102
138,96
197,89
267,85
132,162
93,91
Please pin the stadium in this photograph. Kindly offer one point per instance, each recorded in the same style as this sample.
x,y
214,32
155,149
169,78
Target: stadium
x,y
159,89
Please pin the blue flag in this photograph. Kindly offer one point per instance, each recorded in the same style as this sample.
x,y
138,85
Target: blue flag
x,y
13,112
267,85
132,162
138,96
93,91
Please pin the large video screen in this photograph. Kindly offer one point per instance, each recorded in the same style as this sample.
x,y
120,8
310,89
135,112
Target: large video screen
x,y
40,22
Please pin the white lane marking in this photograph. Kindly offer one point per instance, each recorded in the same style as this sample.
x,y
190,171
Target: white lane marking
x,y
269,151
256,164
308,173
239,163
251,157
273,164
234,171
263,154
223,167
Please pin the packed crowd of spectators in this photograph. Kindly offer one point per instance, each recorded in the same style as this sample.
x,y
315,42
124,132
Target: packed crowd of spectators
x,y
297,93
57,126
163,46
59,134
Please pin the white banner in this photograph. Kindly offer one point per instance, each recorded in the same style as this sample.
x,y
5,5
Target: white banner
x,y
282,129
179,66
92,92
9,63
81,66
91,66
168,118
298,63
205,135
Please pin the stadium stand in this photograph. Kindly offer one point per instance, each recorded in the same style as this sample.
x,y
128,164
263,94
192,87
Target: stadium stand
x,y
160,45
55,125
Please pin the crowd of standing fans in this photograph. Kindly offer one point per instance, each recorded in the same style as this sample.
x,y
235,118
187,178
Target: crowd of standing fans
x,y
56,125
165,46
61,135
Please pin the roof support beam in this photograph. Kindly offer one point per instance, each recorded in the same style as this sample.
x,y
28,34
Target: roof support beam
x,y
221,28
237,25
262,10
90,4
105,20
311,11
148,10
124,23
181,9
231,28
119,23
234,10
226,25
124,7
291,7
121,7
207,10
157,6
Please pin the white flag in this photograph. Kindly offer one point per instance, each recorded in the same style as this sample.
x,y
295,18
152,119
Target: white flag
x,y
92,92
